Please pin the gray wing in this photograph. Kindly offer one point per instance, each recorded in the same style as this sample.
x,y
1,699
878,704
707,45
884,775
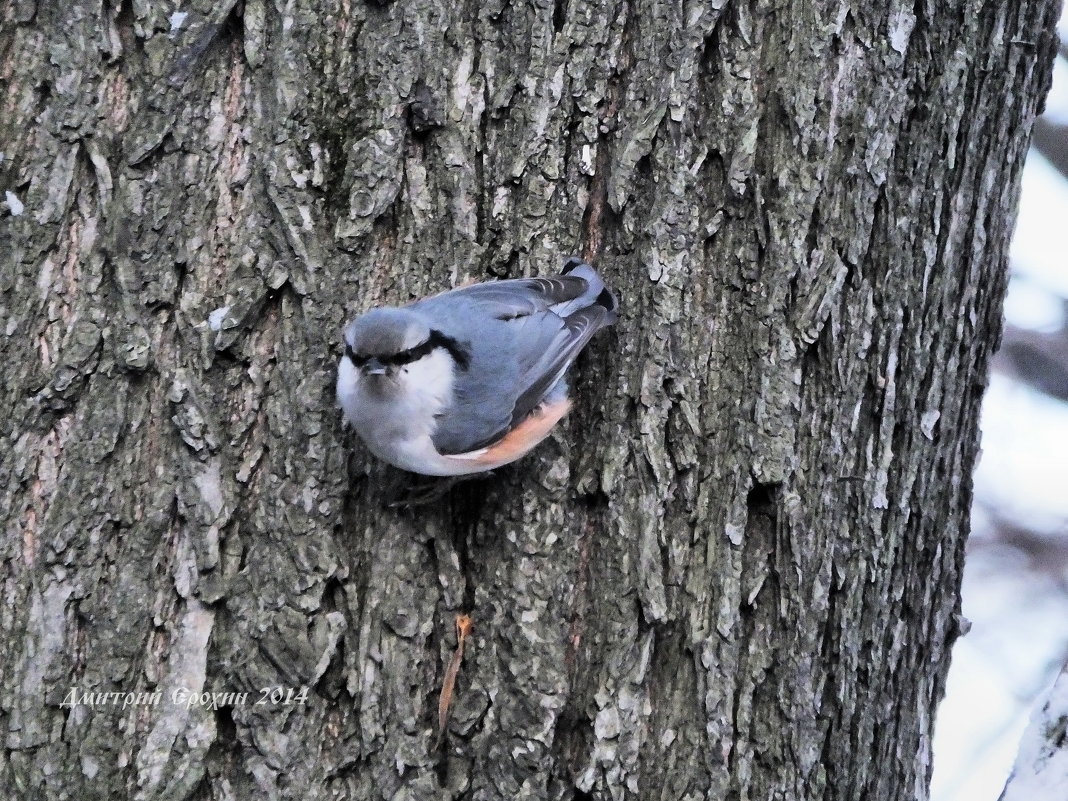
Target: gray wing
x,y
552,363
520,348
516,297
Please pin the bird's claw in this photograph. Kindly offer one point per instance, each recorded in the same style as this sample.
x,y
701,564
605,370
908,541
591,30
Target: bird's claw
x,y
424,493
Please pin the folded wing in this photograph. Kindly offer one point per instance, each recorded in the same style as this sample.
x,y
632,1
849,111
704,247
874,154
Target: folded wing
x,y
523,335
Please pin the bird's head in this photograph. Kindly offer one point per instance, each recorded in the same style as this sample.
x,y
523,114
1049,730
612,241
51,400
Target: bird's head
x,y
382,342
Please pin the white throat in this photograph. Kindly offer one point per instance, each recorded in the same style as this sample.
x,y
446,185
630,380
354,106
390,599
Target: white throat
x,y
397,419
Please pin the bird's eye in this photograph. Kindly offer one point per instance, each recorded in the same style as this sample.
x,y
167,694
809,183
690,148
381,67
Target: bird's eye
x,y
414,353
355,358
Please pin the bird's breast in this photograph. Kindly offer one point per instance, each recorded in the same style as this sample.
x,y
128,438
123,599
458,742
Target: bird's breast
x,y
396,415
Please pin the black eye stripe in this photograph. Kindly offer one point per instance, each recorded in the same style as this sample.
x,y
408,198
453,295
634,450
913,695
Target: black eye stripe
x,y
410,355
356,359
436,340
460,353
393,359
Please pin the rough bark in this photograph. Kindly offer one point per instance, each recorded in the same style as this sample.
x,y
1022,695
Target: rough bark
x,y
734,572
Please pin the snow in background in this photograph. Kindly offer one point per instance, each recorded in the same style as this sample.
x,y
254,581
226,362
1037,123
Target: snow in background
x,y
1015,597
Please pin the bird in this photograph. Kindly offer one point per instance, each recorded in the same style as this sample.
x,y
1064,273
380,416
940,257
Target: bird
x,y
473,378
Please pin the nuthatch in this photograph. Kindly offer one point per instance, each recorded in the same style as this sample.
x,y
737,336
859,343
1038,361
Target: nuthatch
x,y
473,378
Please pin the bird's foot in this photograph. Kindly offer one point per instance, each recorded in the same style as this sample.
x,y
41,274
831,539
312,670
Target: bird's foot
x,y
425,492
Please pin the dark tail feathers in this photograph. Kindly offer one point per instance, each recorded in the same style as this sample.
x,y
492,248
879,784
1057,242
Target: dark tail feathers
x,y
598,292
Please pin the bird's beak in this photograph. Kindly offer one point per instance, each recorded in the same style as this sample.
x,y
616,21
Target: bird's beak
x,y
374,367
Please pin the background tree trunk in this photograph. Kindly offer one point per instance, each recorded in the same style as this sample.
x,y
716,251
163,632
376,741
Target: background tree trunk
x,y
1041,769
734,572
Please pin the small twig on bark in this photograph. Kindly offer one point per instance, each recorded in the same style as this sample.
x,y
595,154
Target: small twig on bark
x,y
463,630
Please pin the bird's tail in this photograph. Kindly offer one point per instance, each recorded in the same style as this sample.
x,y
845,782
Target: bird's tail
x,y
597,294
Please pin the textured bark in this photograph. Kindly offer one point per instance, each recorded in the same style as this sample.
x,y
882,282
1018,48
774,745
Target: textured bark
x,y
734,572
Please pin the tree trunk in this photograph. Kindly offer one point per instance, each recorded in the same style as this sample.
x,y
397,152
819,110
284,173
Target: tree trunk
x,y
733,573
